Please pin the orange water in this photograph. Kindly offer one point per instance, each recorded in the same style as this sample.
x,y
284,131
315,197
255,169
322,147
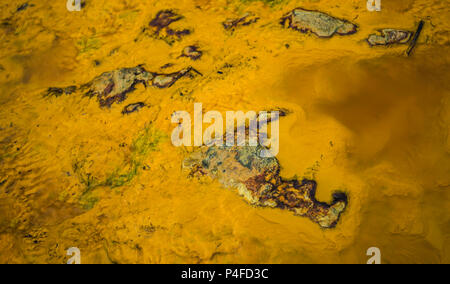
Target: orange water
x,y
369,121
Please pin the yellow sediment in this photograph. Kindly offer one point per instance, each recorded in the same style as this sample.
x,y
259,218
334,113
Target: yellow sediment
x,y
368,121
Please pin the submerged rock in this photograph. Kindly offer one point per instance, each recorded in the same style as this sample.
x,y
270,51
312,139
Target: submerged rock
x,y
389,36
258,182
114,86
192,52
319,23
245,20
133,108
160,25
167,80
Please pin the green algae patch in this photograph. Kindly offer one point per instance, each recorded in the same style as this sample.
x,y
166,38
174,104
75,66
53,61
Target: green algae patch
x,y
88,201
146,142
129,15
85,178
87,44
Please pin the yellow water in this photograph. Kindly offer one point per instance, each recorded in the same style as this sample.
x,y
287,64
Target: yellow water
x,y
369,121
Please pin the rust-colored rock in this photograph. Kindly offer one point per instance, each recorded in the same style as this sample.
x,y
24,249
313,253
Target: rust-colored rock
x,y
259,183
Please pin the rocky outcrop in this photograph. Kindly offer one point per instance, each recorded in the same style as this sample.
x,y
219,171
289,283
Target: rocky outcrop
x,y
389,37
245,20
257,180
114,86
318,23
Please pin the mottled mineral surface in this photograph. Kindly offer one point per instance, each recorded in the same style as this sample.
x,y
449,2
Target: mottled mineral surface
x,y
319,23
389,36
114,86
259,183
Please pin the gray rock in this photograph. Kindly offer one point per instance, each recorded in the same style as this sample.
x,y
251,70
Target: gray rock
x,y
319,23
